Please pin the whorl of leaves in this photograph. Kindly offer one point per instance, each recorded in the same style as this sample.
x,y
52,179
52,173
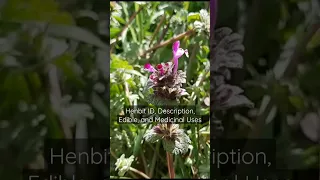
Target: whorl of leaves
x,y
174,139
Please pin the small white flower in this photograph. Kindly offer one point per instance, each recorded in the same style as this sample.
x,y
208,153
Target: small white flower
x,y
123,164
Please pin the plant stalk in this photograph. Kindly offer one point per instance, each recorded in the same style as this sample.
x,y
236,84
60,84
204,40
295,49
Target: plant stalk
x,y
169,41
170,160
170,166
139,172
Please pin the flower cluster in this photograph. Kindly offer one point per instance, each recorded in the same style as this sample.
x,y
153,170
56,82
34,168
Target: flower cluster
x,y
166,81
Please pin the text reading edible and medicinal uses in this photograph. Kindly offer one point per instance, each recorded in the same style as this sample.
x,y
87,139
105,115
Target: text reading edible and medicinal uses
x,y
151,119
164,114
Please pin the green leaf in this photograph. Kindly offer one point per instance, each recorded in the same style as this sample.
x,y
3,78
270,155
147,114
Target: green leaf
x,y
7,27
75,33
155,16
119,19
309,81
89,14
99,105
16,88
35,80
66,31
118,63
132,50
63,62
35,10
315,41
193,17
137,143
114,32
134,72
297,102
206,49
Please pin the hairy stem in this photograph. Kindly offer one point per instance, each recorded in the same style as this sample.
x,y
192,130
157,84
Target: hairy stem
x,y
157,29
170,160
165,43
118,177
139,172
170,166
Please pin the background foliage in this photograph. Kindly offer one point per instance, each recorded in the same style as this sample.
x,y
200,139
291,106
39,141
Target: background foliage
x,y
281,60
144,32
54,77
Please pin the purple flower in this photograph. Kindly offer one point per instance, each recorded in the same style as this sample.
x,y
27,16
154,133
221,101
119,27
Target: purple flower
x,y
163,69
165,79
177,53
149,68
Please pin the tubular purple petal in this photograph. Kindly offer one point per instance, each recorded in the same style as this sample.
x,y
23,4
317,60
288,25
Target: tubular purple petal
x,y
175,46
149,67
177,53
175,61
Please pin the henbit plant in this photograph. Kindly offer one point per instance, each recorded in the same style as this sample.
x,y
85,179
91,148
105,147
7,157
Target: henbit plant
x,y
146,40
165,83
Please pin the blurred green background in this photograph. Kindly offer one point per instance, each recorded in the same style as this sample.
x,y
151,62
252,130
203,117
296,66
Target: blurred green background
x,y
54,77
280,75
